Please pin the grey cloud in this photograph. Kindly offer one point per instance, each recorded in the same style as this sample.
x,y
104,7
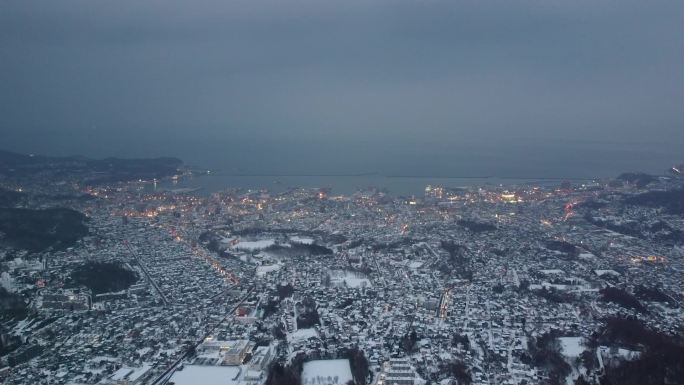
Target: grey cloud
x,y
396,83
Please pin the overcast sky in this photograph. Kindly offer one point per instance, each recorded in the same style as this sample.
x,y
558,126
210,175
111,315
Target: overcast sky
x,y
301,86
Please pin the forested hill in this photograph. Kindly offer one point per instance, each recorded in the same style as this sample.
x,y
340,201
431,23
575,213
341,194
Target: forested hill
x,y
95,170
38,230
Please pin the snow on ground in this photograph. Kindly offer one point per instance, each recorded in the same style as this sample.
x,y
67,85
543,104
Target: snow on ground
x,y
602,272
415,264
304,240
262,270
23,324
326,372
560,287
628,354
620,352
349,278
121,373
130,374
143,351
206,375
571,346
357,282
169,352
552,271
104,358
254,245
302,335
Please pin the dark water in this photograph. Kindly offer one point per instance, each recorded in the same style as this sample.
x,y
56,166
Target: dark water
x,y
406,170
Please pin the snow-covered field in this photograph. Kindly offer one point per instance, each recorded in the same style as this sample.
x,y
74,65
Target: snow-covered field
x,y
254,245
349,278
262,270
304,240
571,346
561,287
206,375
326,372
357,282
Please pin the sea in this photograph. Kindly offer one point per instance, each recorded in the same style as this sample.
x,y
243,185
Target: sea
x,y
407,171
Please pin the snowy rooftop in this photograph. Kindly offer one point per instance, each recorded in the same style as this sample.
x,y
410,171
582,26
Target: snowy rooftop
x,y
206,375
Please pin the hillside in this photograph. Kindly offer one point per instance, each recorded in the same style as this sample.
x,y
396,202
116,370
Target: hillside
x,y
38,230
90,170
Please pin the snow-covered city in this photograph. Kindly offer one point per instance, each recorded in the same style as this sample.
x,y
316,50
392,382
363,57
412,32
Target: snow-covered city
x,y
529,284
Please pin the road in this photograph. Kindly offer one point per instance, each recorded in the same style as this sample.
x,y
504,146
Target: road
x,y
161,379
147,274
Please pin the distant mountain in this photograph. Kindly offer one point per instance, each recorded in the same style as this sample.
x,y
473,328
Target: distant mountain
x,y
671,200
9,198
13,158
88,170
639,179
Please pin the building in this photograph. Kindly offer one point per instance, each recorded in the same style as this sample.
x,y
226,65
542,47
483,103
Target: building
x,y
128,376
397,372
219,352
65,300
261,358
